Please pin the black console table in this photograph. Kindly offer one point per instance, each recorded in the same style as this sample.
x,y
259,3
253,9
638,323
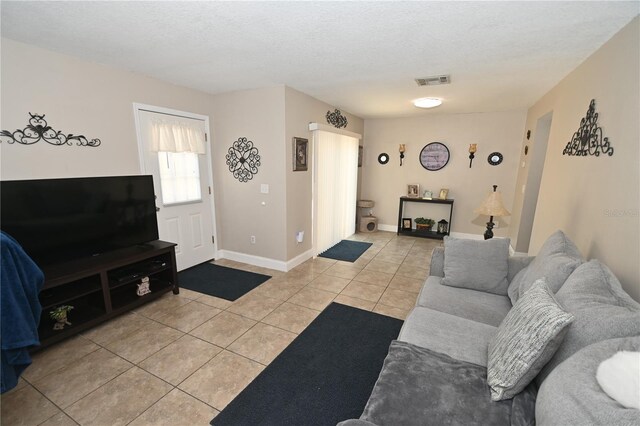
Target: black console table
x,y
104,286
423,234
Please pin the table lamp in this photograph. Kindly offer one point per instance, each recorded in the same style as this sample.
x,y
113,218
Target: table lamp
x,y
492,206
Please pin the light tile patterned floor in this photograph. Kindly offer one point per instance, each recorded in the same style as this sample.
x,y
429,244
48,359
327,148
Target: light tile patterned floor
x,y
181,359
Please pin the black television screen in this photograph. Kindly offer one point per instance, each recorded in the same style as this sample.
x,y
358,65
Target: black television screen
x,y
57,220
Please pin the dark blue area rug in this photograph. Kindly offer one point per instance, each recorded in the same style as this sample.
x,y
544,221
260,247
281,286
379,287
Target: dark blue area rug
x,y
220,281
323,377
346,250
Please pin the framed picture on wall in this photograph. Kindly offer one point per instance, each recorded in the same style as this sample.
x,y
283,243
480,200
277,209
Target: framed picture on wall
x,y
300,154
413,190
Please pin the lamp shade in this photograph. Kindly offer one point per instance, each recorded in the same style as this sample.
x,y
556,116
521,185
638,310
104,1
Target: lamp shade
x,y
493,206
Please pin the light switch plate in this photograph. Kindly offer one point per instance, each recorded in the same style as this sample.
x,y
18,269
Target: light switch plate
x,y
264,188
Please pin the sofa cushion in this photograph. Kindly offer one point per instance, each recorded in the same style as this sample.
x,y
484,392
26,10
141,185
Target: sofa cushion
x,y
418,386
487,308
527,338
436,267
457,337
571,394
601,308
557,259
477,264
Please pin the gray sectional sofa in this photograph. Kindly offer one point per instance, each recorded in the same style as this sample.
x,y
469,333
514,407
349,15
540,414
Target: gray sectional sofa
x,y
436,371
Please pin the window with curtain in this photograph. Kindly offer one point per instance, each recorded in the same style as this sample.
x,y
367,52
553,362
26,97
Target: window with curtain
x,y
179,177
178,144
335,187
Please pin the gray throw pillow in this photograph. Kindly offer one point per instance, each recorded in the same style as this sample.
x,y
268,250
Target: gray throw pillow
x,y
527,338
602,310
477,264
557,259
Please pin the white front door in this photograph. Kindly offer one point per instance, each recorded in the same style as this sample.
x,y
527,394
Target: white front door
x,y
184,189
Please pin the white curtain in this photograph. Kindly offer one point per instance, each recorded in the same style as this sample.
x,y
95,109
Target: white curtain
x,y
335,187
176,136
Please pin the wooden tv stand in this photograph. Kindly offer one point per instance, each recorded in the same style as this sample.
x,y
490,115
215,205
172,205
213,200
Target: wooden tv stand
x,y
103,286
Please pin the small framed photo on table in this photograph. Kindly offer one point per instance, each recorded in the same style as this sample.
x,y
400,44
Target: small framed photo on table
x,y
407,223
444,192
413,190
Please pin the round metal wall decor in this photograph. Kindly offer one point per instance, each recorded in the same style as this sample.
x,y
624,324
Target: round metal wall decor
x,y
434,156
337,119
383,158
243,160
494,158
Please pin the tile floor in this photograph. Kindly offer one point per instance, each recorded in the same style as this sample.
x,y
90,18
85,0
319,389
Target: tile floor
x,y
181,359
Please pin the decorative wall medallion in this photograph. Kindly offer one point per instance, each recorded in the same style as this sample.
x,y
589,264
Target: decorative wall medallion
x,y
588,140
434,156
383,158
243,160
336,119
495,158
37,130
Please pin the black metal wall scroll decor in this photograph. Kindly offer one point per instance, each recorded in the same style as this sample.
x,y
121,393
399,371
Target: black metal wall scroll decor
x,y
337,119
37,130
243,160
588,140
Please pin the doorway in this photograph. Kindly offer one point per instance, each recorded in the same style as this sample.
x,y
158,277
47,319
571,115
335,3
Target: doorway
x,y
335,184
182,180
532,188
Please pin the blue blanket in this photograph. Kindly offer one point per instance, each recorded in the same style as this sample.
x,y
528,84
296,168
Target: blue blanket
x,y
20,283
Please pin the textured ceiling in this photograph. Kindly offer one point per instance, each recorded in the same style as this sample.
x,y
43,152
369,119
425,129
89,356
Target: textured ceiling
x,y
359,56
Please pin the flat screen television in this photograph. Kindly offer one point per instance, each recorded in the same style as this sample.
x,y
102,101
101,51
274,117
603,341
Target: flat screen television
x,y
58,220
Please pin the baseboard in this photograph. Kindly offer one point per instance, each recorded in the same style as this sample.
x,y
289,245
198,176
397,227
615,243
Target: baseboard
x,y
250,259
390,228
299,259
265,262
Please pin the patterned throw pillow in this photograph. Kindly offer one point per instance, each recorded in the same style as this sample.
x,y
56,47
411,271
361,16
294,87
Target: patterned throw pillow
x,y
527,338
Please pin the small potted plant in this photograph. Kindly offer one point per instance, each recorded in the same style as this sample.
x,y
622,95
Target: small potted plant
x,y
60,315
423,224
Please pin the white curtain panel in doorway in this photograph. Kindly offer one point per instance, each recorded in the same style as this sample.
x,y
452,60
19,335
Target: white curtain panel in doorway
x,y
336,180
176,136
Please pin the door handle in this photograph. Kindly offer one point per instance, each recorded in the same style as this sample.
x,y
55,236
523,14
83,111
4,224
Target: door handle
x,y
157,209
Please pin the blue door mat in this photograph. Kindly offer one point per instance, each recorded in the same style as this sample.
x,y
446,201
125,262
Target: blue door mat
x,y
220,281
323,377
346,250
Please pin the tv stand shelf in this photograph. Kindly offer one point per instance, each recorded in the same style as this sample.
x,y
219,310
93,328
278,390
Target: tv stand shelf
x,y
103,286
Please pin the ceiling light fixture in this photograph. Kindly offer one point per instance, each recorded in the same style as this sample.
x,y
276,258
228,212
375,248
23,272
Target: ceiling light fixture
x,y
427,102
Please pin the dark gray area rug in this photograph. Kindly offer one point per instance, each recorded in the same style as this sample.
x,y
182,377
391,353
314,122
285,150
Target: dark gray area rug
x,y
346,250
323,377
220,281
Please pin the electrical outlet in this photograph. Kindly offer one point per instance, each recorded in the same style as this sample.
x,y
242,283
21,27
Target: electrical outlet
x,y
253,239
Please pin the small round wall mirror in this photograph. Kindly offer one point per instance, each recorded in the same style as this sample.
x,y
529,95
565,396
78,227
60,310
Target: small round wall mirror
x,y
494,158
383,158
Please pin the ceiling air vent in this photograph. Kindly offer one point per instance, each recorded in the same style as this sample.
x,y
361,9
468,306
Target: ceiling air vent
x,y
434,80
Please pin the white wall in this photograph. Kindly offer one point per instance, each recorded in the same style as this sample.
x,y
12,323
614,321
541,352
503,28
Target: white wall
x,y
257,115
82,98
384,184
595,200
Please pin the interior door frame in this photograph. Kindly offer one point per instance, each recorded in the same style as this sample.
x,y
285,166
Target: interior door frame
x,y
137,107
